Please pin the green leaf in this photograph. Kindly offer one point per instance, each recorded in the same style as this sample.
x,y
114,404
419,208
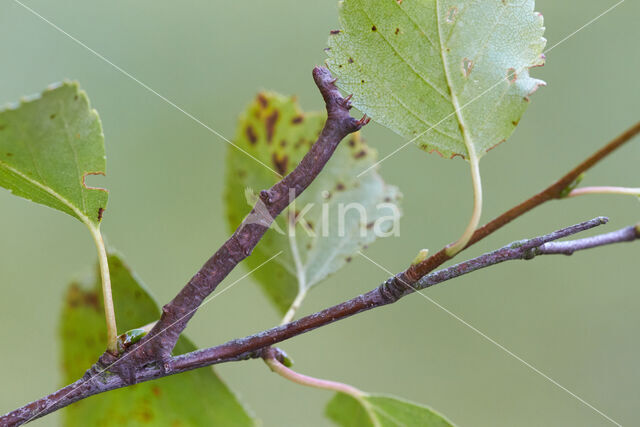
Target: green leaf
x,y
381,411
192,398
275,131
48,146
453,75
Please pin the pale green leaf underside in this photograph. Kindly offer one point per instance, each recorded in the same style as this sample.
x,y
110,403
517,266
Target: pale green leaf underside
x,y
275,131
49,144
381,411
189,399
436,70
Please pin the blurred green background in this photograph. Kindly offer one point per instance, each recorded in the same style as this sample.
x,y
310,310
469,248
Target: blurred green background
x,y
575,319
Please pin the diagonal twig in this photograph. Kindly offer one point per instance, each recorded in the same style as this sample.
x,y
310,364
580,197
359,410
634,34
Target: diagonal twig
x,y
554,191
254,345
206,280
158,344
390,292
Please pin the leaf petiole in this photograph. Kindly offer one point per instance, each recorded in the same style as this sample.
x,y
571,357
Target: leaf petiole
x,y
276,366
295,305
109,312
461,243
300,272
604,190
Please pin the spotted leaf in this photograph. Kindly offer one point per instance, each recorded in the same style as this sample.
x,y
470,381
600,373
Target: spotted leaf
x,y
192,398
335,217
450,75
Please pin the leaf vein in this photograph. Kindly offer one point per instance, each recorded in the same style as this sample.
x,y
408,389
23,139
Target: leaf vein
x,y
397,52
390,93
51,192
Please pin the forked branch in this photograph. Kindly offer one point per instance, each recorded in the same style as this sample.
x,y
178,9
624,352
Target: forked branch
x,y
97,380
138,363
554,191
159,343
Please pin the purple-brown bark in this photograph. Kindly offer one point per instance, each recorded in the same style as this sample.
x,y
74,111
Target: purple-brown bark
x,y
151,357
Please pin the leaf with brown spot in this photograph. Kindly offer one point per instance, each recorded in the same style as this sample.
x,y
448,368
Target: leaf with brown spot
x,y
262,100
321,249
443,84
251,135
270,124
280,163
195,398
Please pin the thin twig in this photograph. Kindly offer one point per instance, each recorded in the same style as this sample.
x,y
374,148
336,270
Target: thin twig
x,y
387,293
96,381
177,313
158,344
554,191
627,234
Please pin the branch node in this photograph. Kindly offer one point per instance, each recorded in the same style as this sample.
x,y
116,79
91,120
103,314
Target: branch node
x,y
277,354
108,362
393,289
530,253
205,282
564,193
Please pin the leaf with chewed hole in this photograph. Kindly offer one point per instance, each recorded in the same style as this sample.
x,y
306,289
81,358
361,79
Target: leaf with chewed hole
x,y
49,145
192,398
451,75
335,217
381,411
